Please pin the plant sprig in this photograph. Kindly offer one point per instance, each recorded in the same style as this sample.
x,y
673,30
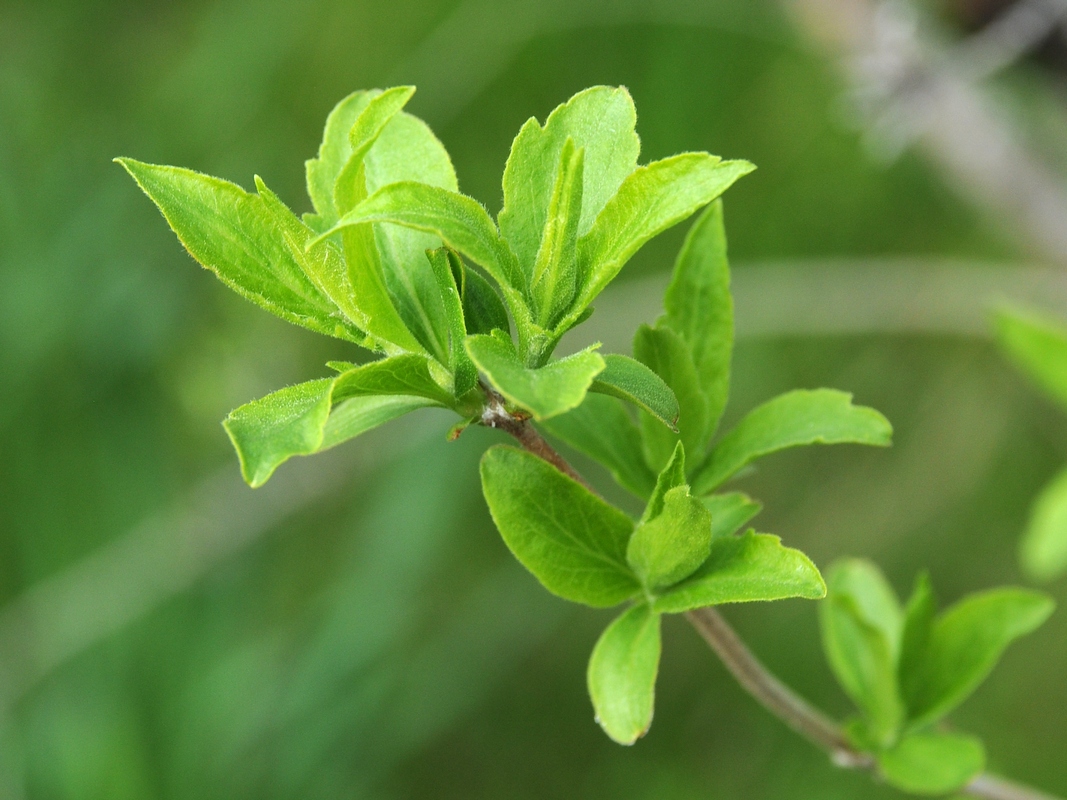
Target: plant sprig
x,y
457,310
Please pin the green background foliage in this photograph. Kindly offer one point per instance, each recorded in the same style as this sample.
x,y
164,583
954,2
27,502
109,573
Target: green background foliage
x,y
357,628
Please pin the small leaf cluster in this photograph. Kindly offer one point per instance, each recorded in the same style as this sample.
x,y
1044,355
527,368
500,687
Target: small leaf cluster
x,y
1037,344
906,667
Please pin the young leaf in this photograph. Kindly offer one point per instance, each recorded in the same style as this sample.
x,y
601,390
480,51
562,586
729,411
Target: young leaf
x,y
820,416
1038,346
334,153
444,264
1043,550
601,429
323,264
670,477
742,569
570,539
664,352
861,621
670,546
297,421
599,121
965,644
729,512
399,375
483,310
407,150
634,382
918,621
932,763
555,270
651,200
230,232
700,309
545,392
622,674
460,221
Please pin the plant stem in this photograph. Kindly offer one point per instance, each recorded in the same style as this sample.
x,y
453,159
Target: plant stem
x,y
742,663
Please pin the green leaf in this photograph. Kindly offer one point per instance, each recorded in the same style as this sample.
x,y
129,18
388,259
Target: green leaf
x,y
672,545
231,233
861,622
622,674
601,429
700,308
545,392
741,569
445,265
664,352
670,477
570,539
334,153
918,621
634,382
965,644
599,121
1043,550
932,763
651,200
1037,344
555,270
349,184
401,375
819,416
729,512
303,419
460,221
407,150
483,310
323,264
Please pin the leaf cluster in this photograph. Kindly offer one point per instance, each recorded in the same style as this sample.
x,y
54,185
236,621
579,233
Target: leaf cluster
x,y
906,667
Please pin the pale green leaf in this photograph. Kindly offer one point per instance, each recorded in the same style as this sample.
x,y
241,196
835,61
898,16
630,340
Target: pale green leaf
x,y
651,200
932,763
673,544
301,420
670,477
460,221
570,539
555,270
1037,344
402,375
729,512
861,621
445,266
230,232
742,569
545,392
819,416
601,429
334,152
600,121
965,644
632,381
700,309
622,674
1043,550
665,353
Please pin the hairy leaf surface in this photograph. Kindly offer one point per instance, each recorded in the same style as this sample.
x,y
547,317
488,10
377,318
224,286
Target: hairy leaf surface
x,y
671,545
632,381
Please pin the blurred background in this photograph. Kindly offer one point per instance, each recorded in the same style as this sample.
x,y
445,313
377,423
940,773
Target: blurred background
x,y
166,632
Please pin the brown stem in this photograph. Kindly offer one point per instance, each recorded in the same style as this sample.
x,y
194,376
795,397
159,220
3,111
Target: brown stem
x,y
747,669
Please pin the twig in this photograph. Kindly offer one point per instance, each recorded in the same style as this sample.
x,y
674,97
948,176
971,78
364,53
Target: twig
x,y
743,664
